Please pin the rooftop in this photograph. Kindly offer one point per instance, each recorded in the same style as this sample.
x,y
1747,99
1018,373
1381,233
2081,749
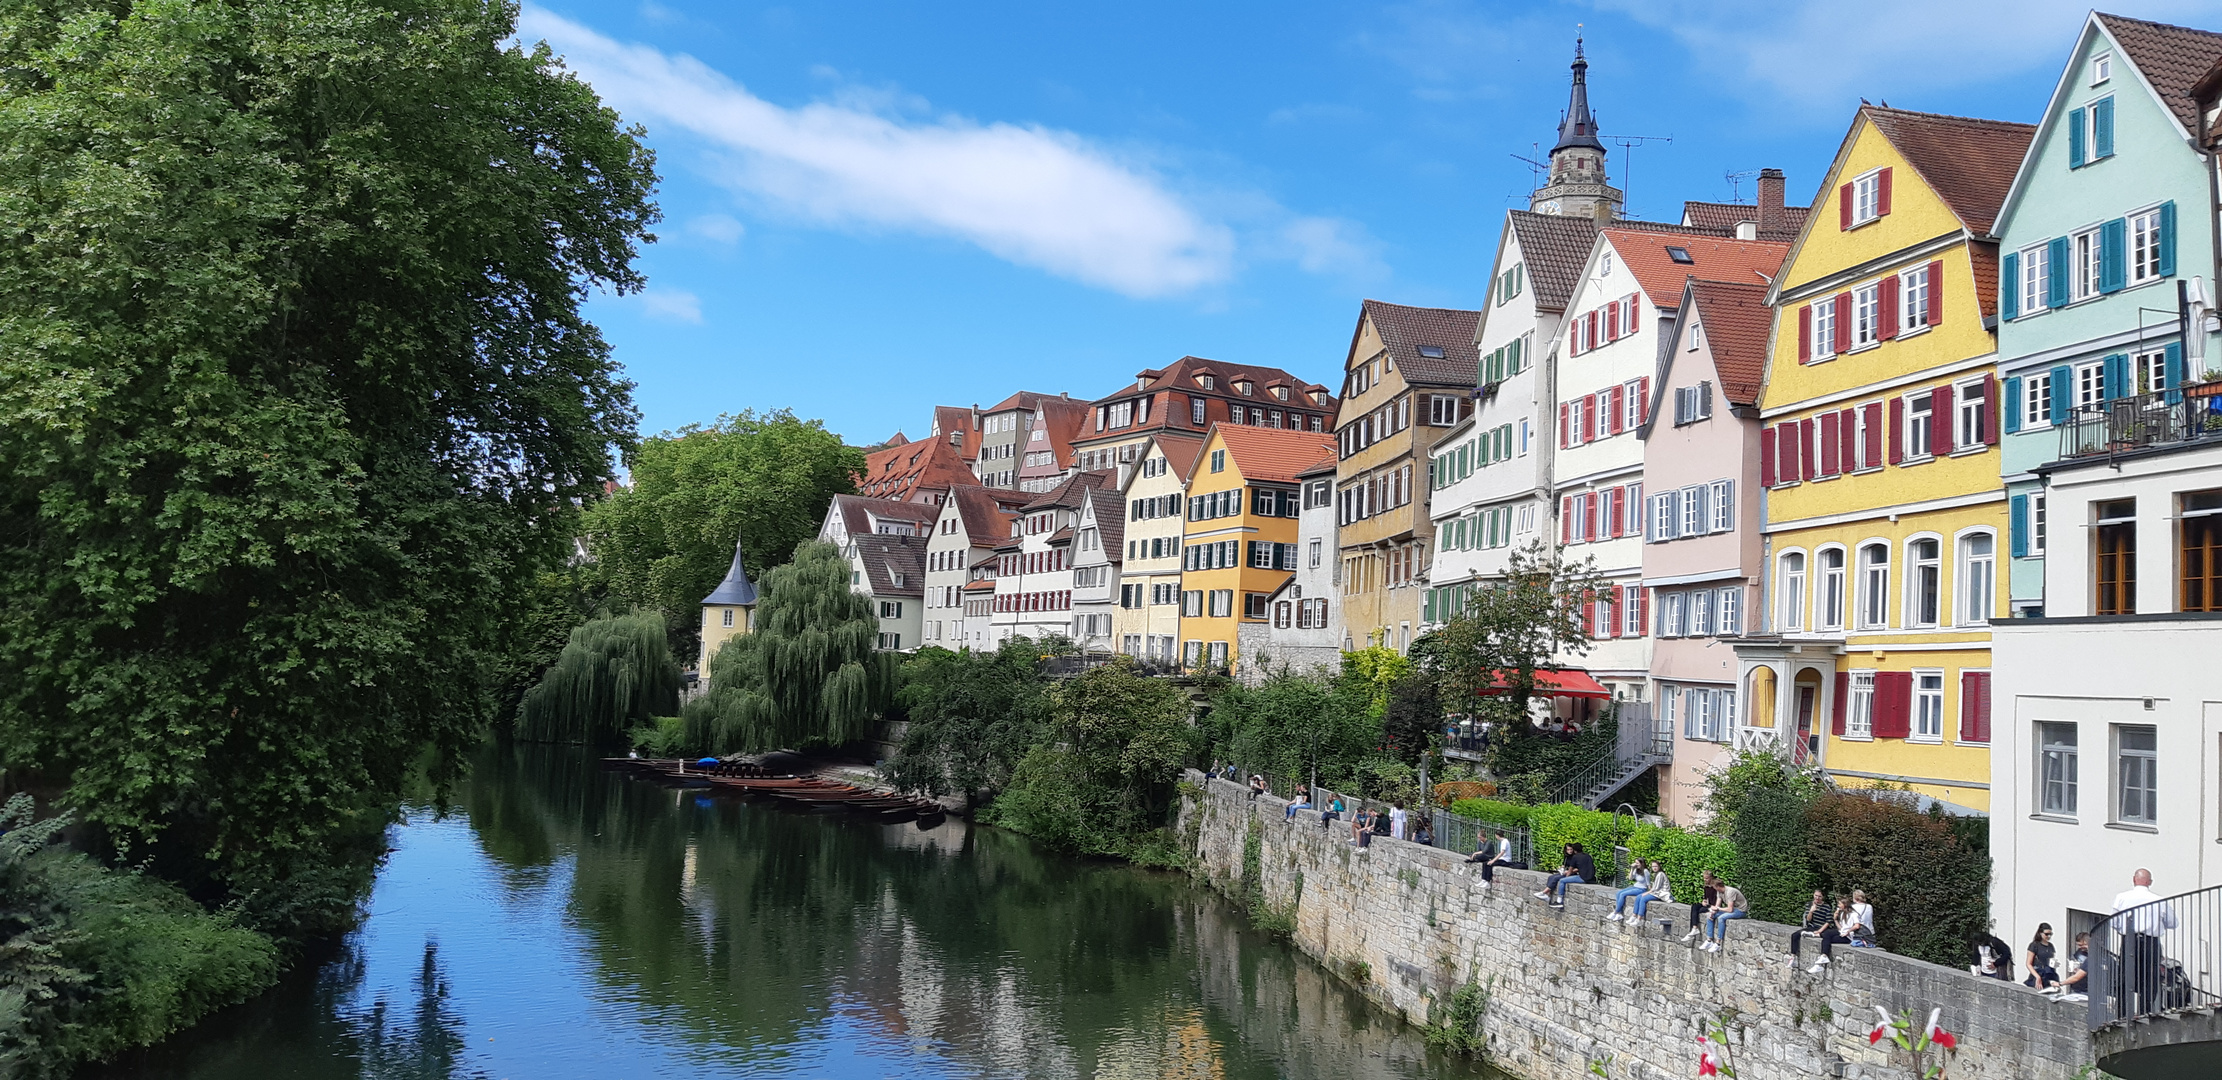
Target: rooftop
x,y
1430,345
1274,455
1737,323
1662,262
1970,163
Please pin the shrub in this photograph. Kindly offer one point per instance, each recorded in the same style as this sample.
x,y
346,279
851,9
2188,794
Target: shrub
x,y
615,672
1502,814
1772,862
1687,856
1751,771
1928,877
662,736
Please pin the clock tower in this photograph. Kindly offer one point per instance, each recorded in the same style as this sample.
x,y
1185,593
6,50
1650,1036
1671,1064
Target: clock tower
x,y
1577,183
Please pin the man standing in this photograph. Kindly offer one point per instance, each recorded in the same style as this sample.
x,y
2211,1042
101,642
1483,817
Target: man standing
x,y
2140,917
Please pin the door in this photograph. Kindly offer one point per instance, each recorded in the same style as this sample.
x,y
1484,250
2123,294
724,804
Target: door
x,y
1805,748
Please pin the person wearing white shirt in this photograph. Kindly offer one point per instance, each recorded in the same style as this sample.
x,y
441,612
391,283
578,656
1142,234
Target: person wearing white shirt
x,y
1397,819
2140,917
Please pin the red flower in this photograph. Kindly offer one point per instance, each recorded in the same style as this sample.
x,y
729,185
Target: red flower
x,y
1876,1035
1943,1038
1706,1066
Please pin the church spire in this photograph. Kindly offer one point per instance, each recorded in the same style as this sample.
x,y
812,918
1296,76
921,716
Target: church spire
x,y
1577,185
1578,128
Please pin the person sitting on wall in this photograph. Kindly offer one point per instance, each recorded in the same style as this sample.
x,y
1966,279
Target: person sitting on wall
x,y
1660,889
1423,830
1839,931
1703,907
1818,917
1638,884
1334,811
1257,785
1580,869
1728,903
1302,802
1994,959
1495,850
2038,959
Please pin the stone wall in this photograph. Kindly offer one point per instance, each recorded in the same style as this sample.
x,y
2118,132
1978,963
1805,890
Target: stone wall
x,y
1408,925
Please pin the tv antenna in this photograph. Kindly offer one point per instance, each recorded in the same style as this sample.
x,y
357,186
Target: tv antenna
x,y
1734,192
1629,144
1536,169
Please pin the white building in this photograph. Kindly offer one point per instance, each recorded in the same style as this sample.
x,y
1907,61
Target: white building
x,y
1097,548
1034,568
850,515
1304,630
973,521
890,570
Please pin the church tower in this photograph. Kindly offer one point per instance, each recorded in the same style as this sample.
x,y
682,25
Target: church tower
x,y
1577,185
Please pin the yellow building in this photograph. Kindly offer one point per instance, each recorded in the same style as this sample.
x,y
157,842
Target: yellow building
x,y
1879,459
727,611
1240,540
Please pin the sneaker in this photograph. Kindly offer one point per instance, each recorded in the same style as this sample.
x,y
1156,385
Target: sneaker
x,y
1614,917
1484,884
1818,965
1543,894
1689,937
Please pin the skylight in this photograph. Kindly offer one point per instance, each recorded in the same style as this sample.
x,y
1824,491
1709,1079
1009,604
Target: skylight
x,y
1434,352
1680,255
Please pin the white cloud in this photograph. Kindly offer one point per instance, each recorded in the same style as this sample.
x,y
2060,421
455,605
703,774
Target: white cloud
x,y
722,229
1331,245
670,305
1031,195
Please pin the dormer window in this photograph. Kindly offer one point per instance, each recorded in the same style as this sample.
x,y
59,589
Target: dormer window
x,y
1243,387
1204,381
1281,392
897,578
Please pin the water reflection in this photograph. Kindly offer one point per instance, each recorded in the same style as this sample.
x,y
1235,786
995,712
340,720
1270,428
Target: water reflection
x,y
572,923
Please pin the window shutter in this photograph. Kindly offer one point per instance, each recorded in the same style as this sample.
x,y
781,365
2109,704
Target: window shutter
x,y
1882,192
2076,156
1563,430
1843,705
2009,289
1886,296
2115,381
1613,412
1871,447
1590,524
1933,315
1619,514
1844,208
1566,520
1831,464
2056,272
2017,526
1512,357
1767,457
1641,597
1988,417
2113,255
2172,371
1593,319
1847,433
1893,704
2063,393
2168,238
1843,334
1643,400
2102,128
1897,425
1589,418
2009,410
1808,465
1975,706
1805,334
1941,421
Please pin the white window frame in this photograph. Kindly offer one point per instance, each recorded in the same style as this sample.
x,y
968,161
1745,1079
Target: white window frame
x,y
1673,614
2102,68
2036,262
1833,589
1721,506
1968,415
2143,247
2037,522
1665,516
1928,707
1924,424
1701,613
1729,606
1693,511
1912,611
2150,369
1631,615
2090,385
1913,301
1866,197
1975,577
1824,329
1790,575
1872,595
2084,259
1867,315
2068,754
2036,400
1859,711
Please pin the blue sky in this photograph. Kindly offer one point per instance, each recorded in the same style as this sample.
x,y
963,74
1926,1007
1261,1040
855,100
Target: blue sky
x,y
871,209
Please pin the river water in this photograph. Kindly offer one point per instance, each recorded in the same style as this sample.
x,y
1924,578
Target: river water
x,y
559,921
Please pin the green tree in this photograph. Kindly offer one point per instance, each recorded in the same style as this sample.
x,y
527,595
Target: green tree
x,y
1772,867
616,673
970,716
1105,778
1295,723
806,674
295,398
1750,773
666,540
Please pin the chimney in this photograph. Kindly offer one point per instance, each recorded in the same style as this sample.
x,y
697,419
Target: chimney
x,y
1602,211
1770,202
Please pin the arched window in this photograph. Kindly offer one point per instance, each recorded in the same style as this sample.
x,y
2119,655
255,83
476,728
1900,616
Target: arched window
x,y
1830,616
1792,591
1924,582
1874,586
1978,578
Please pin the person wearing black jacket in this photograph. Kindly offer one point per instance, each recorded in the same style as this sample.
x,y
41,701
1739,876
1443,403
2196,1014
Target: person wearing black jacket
x,y
1578,869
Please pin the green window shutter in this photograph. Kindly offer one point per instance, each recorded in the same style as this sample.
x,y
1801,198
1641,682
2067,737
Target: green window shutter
x,y
2056,272
2102,128
2174,371
2017,520
2011,408
2075,138
1429,605
2116,376
2063,392
2113,255
1512,356
2168,238
2009,293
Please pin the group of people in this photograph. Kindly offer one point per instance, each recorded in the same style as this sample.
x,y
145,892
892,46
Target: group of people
x,y
1850,922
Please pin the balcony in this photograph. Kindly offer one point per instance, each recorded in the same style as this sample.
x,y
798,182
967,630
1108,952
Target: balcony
x,y
2142,422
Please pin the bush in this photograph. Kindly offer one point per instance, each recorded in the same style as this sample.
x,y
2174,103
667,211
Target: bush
x,y
1772,862
1752,771
1928,876
1105,778
1501,814
661,737
1687,855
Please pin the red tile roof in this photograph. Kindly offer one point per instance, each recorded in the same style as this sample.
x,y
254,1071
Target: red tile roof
x,y
1167,389
910,470
1724,217
1752,262
1110,521
1405,330
1737,322
2172,58
1274,455
987,512
957,418
1067,495
1179,451
1969,163
1984,260
1062,420
1024,399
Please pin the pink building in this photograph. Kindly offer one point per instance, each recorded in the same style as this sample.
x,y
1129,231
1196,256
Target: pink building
x,y
1702,552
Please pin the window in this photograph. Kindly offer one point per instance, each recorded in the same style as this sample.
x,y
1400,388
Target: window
x,y
1913,301
1508,283
2136,773
1859,718
1694,517
1697,334
1673,614
1723,505
1867,197
1701,613
1829,615
1923,579
1978,580
2144,246
2037,523
1196,411
1867,321
1442,409
891,609
1730,606
2116,577
2152,370
1254,605
1970,413
2035,271
1315,554
2090,385
1874,586
1824,329
1192,604
1222,603
1928,702
1218,461
1679,254
2056,753
2036,406
1692,403
2199,552
2083,265
728,616
2102,68
1792,592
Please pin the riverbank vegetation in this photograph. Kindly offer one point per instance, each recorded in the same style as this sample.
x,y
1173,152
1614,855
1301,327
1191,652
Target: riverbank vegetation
x,y
808,673
615,674
299,406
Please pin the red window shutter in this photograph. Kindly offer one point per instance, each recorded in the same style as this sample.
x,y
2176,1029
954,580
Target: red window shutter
x,y
1882,192
1940,421
1893,704
1871,452
1566,520
1886,295
1589,517
1975,706
1616,512
1844,208
1613,410
1612,321
1792,448
1805,334
1563,430
1847,433
1843,322
1991,421
1935,312
1593,338
1843,702
1809,463
1589,418
1767,457
1638,596
1897,424
1831,464
1643,400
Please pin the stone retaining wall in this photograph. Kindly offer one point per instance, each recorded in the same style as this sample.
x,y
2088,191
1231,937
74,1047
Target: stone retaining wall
x,y
1409,924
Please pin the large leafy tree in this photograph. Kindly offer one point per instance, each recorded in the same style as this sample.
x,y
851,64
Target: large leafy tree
x,y
614,674
295,398
970,717
807,673
1106,776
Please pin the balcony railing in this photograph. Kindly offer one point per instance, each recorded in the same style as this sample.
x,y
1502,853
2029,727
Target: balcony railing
x,y
2138,421
2159,957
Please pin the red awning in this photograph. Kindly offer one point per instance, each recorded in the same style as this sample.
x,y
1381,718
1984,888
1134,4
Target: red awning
x,y
1548,683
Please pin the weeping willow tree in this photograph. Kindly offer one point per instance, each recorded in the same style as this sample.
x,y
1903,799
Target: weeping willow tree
x,y
615,673
806,673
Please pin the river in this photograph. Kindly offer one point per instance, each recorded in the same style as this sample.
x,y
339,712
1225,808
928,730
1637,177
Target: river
x,y
559,921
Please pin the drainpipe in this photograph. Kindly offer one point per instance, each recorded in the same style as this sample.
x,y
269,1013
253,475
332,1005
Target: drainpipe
x,y
2204,148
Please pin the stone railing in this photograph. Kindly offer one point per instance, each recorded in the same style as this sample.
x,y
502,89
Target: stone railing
x,y
1408,925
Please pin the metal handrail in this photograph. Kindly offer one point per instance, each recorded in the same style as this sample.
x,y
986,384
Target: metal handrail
x,y
1637,741
2157,957
2136,421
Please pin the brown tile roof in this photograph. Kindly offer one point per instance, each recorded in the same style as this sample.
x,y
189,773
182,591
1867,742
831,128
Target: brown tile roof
x,y
1724,217
1969,163
1169,412
1554,249
1712,258
1067,495
1324,466
1274,455
1737,321
1061,536
957,418
1404,330
1110,522
885,556
2172,58
1063,420
1024,399
1180,453
912,469
987,512
857,510
1984,259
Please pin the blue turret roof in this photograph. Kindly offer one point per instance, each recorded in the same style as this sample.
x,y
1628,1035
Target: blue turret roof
x,y
735,590
1579,128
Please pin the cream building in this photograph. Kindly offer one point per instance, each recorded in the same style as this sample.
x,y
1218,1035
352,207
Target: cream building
x,y
1146,620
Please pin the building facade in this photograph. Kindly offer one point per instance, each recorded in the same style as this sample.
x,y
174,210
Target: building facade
x,y
1303,630
728,612
1005,428
1240,544
973,522
1187,398
1098,547
891,572
1034,567
1147,619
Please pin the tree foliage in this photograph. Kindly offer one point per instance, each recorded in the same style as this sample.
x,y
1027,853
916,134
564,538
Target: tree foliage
x,y
1729,789
1772,865
806,674
970,716
616,673
295,397
1105,778
1928,876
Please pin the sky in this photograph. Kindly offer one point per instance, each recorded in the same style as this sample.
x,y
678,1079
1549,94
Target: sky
x,y
872,209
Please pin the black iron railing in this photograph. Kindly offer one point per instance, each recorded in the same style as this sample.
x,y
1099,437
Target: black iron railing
x,y
2156,958
2139,421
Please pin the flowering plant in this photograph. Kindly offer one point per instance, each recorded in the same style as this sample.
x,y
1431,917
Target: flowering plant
x,y
1932,1047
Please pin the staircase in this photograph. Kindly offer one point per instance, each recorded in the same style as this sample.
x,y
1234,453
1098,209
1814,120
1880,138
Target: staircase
x,y
1640,747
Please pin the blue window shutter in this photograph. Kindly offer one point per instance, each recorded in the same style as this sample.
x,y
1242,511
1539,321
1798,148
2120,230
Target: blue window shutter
x,y
2075,138
2168,238
2056,272
2116,381
2018,525
2113,255
2011,409
2174,372
2009,293
2102,128
2063,392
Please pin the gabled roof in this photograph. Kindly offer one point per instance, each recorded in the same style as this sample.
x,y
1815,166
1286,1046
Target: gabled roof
x,y
735,590
1554,249
1110,511
1181,375
1983,258
857,512
1752,262
1325,466
1067,495
986,513
1405,330
901,472
885,556
1737,322
1724,217
1062,420
1179,451
2171,58
1024,399
1273,455
957,418
1969,163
